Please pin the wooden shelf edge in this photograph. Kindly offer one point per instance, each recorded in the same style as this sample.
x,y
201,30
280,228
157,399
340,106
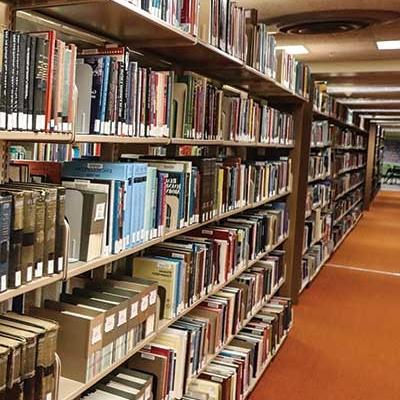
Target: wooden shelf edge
x,y
40,137
35,284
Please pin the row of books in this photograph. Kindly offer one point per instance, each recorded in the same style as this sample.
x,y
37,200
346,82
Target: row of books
x,y
313,261
192,265
293,74
346,182
117,96
32,232
319,165
317,228
341,229
348,138
206,328
239,365
348,160
319,195
260,45
347,203
103,319
159,370
181,14
169,195
27,357
321,133
37,82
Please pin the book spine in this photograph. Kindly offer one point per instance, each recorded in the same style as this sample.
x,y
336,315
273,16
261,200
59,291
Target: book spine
x,y
5,226
22,79
11,124
104,95
51,44
4,80
31,85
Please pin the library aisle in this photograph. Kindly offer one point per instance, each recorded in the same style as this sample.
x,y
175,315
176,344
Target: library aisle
x,y
328,355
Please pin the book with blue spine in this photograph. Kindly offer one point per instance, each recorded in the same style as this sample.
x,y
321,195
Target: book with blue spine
x,y
105,171
104,96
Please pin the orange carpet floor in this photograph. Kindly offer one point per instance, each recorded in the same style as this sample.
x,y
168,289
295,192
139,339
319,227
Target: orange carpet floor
x,y
345,344
375,242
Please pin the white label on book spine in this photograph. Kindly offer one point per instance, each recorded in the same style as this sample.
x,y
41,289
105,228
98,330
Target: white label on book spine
x,y
150,324
122,317
97,126
39,270
96,334
40,122
49,396
3,283
29,273
50,267
134,310
144,303
18,278
30,122
3,119
109,324
100,211
147,392
60,264
153,297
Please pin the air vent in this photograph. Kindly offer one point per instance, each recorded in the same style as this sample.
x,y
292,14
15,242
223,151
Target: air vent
x,y
328,22
324,27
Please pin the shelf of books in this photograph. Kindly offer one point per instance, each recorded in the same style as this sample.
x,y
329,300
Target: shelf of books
x,y
147,199
336,182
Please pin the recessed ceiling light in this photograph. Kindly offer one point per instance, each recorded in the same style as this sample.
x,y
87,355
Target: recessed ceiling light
x,y
388,45
294,49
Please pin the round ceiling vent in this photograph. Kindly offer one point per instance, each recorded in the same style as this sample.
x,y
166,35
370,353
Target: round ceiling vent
x,y
328,22
324,27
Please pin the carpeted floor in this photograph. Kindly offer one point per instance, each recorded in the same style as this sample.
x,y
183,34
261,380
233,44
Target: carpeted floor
x,y
345,344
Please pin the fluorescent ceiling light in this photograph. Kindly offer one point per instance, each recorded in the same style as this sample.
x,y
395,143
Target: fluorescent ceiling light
x,y
346,100
337,89
293,49
388,45
376,110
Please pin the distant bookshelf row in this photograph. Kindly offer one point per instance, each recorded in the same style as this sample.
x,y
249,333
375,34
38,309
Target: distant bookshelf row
x,y
335,184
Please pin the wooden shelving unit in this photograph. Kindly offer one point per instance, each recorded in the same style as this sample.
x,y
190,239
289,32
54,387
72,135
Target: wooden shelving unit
x,y
330,246
118,21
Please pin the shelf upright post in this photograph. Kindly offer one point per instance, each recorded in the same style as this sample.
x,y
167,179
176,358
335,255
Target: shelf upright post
x,y
297,200
369,172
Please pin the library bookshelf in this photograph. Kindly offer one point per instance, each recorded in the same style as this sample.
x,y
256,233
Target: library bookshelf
x,y
330,227
122,22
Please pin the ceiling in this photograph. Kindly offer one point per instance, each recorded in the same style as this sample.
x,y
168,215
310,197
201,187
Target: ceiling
x,y
350,62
